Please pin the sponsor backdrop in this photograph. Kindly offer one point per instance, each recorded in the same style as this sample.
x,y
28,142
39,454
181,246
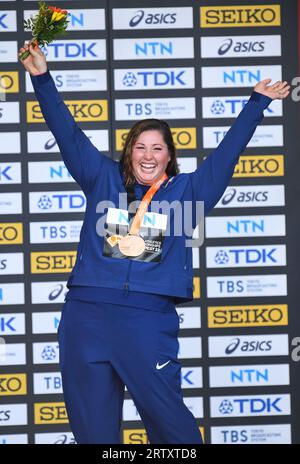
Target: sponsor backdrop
x,y
194,64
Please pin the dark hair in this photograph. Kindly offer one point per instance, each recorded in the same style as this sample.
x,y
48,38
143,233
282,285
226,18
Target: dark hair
x,y
141,126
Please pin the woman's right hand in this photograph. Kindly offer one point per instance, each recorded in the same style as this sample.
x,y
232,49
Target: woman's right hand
x,y
36,62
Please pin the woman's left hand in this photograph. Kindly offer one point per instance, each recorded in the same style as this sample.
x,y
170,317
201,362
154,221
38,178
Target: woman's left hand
x,y
278,90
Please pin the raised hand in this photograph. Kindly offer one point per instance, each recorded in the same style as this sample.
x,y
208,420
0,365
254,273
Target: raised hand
x,y
279,90
36,62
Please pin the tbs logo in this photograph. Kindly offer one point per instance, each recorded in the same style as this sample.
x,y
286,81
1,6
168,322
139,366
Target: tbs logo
x,y
235,436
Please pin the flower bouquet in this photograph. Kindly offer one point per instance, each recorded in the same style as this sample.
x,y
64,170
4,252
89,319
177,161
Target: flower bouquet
x,y
45,26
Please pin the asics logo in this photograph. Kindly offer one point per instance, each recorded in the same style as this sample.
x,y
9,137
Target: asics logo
x,y
160,366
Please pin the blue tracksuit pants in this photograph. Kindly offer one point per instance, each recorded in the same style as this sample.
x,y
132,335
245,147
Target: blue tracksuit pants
x,y
105,346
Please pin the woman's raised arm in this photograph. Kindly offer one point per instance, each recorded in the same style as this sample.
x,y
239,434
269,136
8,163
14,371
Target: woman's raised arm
x,y
81,157
211,178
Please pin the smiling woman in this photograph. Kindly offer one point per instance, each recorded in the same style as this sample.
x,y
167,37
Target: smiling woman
x,y
148,152
119,324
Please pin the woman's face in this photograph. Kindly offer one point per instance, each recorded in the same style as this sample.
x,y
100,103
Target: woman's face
x,y
150,157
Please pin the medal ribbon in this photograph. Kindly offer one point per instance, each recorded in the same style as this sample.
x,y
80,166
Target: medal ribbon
x,y
136,223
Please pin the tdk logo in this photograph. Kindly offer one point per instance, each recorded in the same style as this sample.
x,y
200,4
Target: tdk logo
x,y
247,256
2,21
226,407
242,76
154,49
45,202
154,78
71,50
61,201
129,80
186,377
4,174
48,353
6,325
232,105
158,18
250,405
221,257
238,47
217,107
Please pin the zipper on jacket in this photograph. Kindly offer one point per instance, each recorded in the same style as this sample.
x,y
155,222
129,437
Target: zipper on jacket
x,y
126,284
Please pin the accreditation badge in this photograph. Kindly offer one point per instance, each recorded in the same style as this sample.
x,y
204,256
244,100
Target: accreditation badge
x,y
146,246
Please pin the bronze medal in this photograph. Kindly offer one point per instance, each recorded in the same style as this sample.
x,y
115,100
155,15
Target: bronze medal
x,y
132,245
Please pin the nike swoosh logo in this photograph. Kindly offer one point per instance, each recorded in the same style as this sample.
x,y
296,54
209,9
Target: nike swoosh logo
x,y
160,366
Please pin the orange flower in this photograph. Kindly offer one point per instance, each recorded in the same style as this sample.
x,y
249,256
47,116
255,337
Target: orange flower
x,y
57,13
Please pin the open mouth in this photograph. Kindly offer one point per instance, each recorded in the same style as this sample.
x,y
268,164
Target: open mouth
x,y
148,167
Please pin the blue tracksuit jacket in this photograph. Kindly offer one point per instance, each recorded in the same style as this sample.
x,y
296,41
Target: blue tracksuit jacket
x,y
100,179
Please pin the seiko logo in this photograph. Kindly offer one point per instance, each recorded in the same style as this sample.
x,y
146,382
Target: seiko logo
x,y
55,413
11,384
58,262
240,15
255,315
89,110
6,82
269,165
9,233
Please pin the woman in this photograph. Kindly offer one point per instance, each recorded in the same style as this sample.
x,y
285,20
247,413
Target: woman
x,y
119,323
